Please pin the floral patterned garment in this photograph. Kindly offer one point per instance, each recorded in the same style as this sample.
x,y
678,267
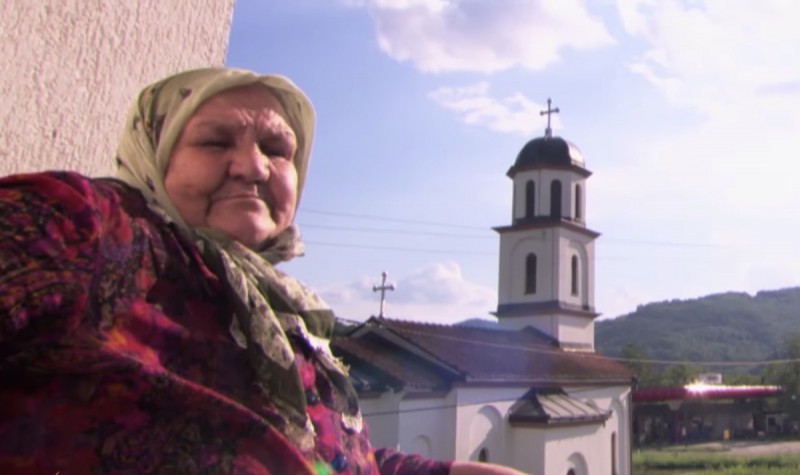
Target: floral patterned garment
x,y
115,355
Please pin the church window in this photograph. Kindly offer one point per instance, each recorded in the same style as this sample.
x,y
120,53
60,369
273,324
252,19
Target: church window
x,y
578,210
574,275
530,274
555,199
571,471
530,199
483,455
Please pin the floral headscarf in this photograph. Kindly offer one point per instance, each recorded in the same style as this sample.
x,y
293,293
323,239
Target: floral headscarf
x,y
267,304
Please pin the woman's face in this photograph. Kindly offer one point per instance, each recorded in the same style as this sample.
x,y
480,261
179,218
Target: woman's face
x,y
232,167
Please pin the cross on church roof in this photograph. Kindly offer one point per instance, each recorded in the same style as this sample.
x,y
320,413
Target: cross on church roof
x,y
383,288
548,132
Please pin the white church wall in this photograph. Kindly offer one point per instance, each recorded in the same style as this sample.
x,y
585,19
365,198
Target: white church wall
x,y
521,180
431,419
577,330
528,449
514,249
486,434
543,180
571,243
382,417
566,447
567,250
421,445
72,69
579,199
622,425
568,180
544,322
616,399
482,422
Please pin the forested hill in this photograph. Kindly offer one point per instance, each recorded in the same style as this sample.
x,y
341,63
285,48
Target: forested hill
x,y
721,327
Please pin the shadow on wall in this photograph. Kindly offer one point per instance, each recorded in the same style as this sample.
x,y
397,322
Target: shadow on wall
x,y
486,436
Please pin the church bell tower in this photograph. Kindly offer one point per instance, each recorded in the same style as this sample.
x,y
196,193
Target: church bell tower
x,y
546,277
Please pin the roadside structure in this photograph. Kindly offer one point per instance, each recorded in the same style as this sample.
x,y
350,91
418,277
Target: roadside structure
x,y
703,411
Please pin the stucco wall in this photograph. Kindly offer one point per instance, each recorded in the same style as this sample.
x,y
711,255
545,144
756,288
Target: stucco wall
x,y
382,416
71,68
543,180
482,423
434,419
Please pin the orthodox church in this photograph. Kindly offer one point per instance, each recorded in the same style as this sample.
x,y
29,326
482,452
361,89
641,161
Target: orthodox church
x,y
530,393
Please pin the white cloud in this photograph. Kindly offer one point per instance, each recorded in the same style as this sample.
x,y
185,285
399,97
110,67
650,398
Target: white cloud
x,y
436,292
483,35
512,114
719,57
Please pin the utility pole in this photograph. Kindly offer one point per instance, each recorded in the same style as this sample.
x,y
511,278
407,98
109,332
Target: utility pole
x,y
382,288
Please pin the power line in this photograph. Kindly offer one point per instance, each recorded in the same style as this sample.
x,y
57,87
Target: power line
x,y
461,252
595,355
392,220
663,243
369,217
400,249
392,231
614,358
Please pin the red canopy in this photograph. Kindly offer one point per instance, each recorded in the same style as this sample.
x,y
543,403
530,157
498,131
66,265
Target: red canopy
x,y
704,391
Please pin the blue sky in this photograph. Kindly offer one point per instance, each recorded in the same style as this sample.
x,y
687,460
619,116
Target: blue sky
x,y
686,111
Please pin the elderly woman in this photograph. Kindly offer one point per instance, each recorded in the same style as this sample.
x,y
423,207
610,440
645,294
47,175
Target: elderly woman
x,y
143,325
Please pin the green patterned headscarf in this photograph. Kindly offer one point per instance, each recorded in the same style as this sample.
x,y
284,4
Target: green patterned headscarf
x,y
267,304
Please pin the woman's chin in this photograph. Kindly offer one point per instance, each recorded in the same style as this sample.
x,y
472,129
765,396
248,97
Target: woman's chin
x,y
249,233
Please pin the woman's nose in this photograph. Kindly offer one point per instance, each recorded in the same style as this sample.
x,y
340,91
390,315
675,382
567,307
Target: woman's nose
x,y
250,163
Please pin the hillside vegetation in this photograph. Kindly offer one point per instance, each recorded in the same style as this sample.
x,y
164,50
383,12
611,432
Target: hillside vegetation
x,y
722,327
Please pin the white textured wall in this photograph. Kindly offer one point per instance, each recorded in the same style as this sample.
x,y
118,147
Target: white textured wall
x,y
543,179
382,417
434,419
482,422
70,69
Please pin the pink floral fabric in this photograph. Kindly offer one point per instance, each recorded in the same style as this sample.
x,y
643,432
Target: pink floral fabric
x,y
115,355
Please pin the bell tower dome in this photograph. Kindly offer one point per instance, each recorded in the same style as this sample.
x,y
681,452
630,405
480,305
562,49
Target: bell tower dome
x,y
546,277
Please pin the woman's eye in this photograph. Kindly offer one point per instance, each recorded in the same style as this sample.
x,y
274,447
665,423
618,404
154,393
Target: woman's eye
x,y
216,143
274,151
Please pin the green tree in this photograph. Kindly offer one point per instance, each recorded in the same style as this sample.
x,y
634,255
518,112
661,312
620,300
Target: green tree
x,y
638,360
679,375
787,375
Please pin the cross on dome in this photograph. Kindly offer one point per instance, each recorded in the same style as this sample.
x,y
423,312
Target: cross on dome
x,y
548,132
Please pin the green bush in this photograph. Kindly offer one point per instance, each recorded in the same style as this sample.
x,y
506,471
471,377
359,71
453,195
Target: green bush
x,y
713,463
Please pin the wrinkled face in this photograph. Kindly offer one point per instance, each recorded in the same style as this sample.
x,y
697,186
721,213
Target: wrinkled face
x,y
231,169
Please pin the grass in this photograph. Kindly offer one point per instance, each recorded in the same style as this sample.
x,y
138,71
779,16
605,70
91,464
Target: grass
x,y
705,461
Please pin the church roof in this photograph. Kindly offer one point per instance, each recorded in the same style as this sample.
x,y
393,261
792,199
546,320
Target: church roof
x,y
387,365
549,152
425,355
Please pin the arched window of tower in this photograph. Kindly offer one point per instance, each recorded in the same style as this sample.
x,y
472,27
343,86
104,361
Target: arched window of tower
x,y
530,199
578,210
530,274
574,275
555,199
